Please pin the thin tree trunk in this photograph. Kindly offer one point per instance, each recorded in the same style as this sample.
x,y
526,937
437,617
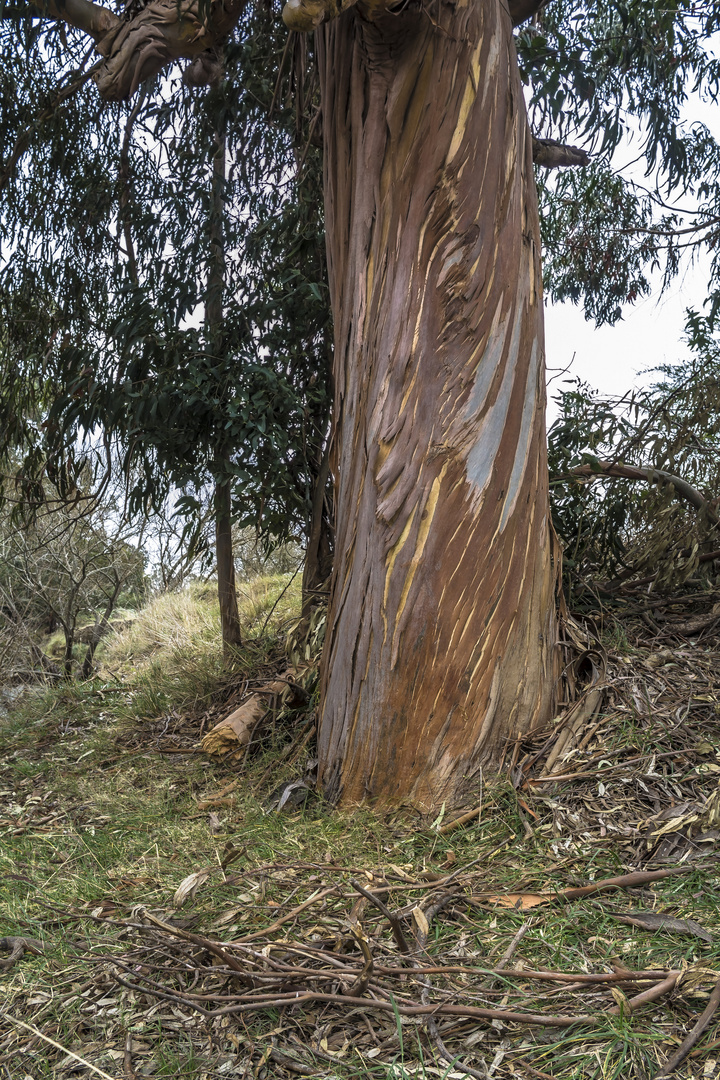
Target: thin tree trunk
x,y
227,593
69,631
318,554
98,630
442,622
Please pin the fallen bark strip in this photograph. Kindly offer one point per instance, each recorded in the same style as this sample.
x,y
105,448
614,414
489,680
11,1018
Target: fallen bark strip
x,y
626,881
693,1036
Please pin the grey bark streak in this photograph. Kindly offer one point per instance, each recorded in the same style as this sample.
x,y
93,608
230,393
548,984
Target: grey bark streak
x,y
441,625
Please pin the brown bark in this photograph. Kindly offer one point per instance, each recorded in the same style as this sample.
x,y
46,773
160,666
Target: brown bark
x,y
555,155
318,554
227,593
441,628
136,49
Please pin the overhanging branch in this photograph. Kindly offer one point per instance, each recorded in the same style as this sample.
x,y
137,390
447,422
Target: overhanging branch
x,y
135,49
650,476
94,19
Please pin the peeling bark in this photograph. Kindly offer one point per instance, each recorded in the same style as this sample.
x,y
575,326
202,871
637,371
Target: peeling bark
x,y
137,48
441,627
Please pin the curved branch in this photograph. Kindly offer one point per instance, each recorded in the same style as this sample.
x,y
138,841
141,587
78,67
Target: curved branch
x,y
135,49
651,476
85,15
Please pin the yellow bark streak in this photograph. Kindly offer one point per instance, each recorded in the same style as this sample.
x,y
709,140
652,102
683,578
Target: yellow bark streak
x,y
423,531
394,552
468,100
370,275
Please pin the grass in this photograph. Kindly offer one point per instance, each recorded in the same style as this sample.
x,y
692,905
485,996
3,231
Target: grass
x,y
96,825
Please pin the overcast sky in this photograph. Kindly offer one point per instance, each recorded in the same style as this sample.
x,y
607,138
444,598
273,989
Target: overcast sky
x,y
612,359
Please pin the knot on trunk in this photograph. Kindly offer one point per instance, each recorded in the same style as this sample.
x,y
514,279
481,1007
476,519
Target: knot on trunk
x,y
556,155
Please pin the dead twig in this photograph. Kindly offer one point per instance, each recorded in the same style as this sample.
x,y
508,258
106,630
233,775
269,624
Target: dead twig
x,y
392,919
472,815
57,1045
693,1036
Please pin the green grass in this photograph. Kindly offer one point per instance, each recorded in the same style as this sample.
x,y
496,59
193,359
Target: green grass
x,y
95,825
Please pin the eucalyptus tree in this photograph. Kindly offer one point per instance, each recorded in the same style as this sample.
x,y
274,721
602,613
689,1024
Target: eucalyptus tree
x,y
441,642
176,300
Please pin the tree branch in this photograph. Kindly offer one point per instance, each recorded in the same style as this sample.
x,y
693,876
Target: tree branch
x,y
556,155
94,19
651,476
136,49
522,10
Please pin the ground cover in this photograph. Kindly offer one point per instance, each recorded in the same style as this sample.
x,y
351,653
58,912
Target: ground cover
x,y
190,916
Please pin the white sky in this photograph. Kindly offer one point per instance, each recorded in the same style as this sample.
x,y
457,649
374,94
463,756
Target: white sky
x,y
612,359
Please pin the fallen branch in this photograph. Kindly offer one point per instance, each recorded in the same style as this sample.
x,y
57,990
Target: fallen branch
x,y
230,735
277,1001
392,919
472,815
693,1036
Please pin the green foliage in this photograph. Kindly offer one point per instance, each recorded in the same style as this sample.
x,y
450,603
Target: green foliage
x,y
600,73
108,270
609,526
108,255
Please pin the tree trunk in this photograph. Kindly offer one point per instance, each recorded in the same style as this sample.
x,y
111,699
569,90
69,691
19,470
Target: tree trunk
x,y
99,629
69,631
318,553
442,621
227,593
